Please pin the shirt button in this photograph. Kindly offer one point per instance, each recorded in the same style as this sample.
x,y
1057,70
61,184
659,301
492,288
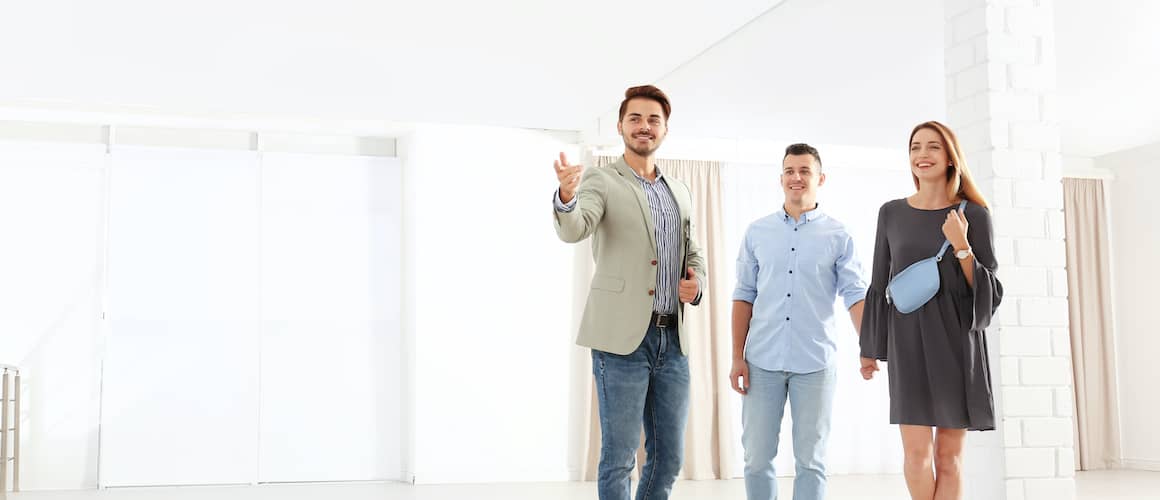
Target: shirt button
x,y
787,318
795,229
791,272
793,249
652,292
787,295
654,262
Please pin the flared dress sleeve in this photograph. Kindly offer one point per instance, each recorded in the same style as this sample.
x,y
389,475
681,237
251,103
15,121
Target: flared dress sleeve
x,y
875,332
988,291
977,305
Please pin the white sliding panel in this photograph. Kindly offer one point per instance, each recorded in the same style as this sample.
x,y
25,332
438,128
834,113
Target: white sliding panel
x,y
52,222
180,402
330,366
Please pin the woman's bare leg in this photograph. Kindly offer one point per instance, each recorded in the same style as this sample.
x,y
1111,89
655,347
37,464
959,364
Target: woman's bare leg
x,y
918,451
948,463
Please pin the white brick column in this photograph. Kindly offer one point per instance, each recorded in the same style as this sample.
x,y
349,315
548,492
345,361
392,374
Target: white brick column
x,y
1000,66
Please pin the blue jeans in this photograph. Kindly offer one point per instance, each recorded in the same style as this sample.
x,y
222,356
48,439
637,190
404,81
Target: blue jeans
x,y
651,385
811,398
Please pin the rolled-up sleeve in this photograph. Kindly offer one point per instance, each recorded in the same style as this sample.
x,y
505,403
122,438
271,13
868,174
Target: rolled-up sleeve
x,y
850,275
747,269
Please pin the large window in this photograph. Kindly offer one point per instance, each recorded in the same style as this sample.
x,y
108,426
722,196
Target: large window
x,y
225,315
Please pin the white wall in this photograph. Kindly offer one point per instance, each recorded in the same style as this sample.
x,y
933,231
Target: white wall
x,y
1135,247
487,306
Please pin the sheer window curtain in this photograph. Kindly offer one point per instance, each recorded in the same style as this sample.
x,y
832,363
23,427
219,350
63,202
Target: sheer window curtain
x,y
709,436
1097,429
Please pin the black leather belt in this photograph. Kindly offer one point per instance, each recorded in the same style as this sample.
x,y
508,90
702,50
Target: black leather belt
x,y
663,320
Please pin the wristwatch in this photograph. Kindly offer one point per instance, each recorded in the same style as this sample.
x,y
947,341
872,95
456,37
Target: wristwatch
x,y
962,254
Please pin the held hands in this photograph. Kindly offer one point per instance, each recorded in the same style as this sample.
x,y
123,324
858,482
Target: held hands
x,y
955,229
869,366
569,176
740,371
688,286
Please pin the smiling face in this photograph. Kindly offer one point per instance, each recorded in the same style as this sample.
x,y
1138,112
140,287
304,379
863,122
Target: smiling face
x,y
643,127
800,178
928,156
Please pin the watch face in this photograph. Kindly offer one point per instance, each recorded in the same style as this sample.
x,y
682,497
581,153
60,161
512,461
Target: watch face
x,y
962,254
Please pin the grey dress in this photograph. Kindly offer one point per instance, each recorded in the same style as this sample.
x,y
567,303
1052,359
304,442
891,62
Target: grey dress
x,y
937,355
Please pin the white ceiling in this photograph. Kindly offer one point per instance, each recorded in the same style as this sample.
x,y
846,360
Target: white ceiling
x,y
523,63
1108,58
825,71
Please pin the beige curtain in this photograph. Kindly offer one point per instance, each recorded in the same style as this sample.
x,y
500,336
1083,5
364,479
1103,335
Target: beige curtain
x,y
709,435
1097,428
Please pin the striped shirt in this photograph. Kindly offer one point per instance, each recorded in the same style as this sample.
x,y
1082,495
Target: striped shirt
x,y
667,230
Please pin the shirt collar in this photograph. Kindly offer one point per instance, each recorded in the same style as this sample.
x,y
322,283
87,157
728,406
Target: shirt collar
x,y
809,216
657,168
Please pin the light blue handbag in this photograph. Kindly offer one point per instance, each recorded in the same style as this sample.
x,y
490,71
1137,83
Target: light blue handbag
x,y
915,285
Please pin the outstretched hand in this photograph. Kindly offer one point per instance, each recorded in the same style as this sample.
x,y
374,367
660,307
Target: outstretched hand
x,y
569,177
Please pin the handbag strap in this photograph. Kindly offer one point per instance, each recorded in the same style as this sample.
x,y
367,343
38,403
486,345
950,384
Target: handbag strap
x,y
947,243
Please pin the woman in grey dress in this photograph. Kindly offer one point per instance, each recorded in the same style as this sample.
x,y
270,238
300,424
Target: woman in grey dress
x,y
940,385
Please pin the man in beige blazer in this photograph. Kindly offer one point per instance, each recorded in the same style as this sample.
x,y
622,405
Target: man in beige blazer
x,y
647,268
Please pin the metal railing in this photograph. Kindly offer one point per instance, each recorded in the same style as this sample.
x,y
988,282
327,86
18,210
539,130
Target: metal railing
x,y
9,428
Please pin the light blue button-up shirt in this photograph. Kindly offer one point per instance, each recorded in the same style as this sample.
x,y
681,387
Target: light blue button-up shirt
x,y
791,271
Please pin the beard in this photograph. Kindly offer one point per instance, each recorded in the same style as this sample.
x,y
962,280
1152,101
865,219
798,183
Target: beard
x,y
640,150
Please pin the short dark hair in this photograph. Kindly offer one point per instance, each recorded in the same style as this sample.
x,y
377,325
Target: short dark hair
x,y
802,148
645,92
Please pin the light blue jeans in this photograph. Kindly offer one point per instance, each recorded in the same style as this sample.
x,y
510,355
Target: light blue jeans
x,y
811,398
650,386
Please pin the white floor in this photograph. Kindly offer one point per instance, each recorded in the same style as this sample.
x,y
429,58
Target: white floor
x,y
1103,485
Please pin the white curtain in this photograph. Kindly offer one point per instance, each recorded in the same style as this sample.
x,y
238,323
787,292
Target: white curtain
x,y
1097,422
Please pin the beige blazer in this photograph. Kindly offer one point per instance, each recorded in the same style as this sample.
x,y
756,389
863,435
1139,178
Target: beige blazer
x,y
613,209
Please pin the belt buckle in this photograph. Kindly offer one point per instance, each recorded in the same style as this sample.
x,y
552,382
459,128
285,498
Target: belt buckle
x,y
664,320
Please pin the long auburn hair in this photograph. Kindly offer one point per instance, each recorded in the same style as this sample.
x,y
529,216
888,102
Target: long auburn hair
x,y
960,183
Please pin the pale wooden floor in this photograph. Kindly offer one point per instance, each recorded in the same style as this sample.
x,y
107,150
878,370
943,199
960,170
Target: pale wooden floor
x,y
1103,485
